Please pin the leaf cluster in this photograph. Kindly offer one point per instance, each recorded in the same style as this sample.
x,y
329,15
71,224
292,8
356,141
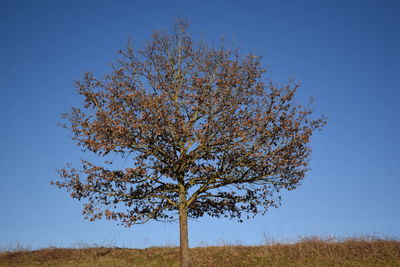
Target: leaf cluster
x,y
190,118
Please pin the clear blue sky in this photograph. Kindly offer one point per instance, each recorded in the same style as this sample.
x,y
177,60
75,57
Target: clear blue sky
x,y
344,53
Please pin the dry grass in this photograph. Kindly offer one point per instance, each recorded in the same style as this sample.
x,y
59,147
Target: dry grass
x,y
310,252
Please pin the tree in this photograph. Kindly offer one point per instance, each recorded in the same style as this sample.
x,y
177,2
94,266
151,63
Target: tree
x,y
204,133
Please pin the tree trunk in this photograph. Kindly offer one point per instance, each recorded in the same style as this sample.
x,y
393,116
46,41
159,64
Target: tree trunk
x,y
183,230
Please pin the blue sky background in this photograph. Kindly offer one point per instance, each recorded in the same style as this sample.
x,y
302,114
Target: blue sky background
x,y
344,53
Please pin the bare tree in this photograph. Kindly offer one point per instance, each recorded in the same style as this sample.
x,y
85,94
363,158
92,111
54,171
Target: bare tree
x,y
201,129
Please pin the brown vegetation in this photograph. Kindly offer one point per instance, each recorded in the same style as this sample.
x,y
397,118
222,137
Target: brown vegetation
x,y
311,252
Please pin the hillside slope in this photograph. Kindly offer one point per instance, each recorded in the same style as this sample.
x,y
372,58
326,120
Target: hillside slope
x,y
311,252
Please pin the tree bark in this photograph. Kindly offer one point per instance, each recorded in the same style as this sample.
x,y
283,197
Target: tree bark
x,y
183,229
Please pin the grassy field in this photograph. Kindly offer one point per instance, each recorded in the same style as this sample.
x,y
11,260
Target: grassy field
x,y
311,252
